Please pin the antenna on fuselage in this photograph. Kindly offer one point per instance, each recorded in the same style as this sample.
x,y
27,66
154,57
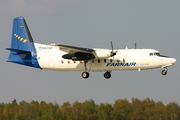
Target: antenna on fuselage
x,y
135,46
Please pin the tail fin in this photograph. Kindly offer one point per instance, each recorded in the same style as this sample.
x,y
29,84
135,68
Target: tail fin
x,y
22,49
21,37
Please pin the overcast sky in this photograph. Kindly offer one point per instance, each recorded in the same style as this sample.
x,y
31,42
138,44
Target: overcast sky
x,y
93,24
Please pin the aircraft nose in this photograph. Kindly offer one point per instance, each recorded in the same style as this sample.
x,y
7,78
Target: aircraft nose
x,y
173,60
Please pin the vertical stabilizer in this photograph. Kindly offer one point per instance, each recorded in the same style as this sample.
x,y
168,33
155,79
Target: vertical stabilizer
x,y
22,49
21,37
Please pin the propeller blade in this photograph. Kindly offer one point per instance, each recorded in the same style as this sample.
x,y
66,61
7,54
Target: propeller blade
x,y
112,52
112,46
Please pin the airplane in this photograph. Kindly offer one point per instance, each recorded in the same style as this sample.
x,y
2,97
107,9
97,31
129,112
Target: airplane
x,y
59,57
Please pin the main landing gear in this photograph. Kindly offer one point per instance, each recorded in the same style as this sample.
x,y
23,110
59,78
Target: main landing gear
x,y
164,72
85,74
107,75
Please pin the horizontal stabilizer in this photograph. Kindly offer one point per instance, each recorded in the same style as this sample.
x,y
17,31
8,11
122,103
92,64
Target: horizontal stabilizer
x,y
17,50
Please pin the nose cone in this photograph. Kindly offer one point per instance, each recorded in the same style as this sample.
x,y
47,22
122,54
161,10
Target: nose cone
x,y
173,60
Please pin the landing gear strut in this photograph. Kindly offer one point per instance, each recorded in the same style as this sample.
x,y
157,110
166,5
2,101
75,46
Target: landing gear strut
x,y
164,72
107,75
85,74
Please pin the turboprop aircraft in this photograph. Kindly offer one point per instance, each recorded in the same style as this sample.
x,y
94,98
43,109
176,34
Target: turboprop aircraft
x,y
61,57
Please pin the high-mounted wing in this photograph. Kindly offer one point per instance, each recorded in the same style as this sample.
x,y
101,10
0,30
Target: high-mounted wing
x,y
73,49
76,53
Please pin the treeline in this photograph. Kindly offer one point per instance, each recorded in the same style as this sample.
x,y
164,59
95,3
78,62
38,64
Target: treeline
x,y
122,109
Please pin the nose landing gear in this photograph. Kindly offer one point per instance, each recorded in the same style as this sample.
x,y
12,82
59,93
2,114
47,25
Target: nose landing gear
x,y
164,72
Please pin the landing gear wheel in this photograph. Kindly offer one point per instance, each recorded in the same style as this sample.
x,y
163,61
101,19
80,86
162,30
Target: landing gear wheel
x,y
85,74
164,72
107,75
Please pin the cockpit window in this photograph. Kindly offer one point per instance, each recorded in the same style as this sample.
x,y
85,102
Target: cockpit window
x,y
151,54
155,54
158,54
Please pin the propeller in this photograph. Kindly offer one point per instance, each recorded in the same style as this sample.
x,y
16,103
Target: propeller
x,y
112,54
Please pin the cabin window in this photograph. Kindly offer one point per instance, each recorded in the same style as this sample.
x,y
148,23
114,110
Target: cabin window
x,y
118,60
158,54
80,61
62,61
110,60
98,60
68,61
151,54
104,60
74,61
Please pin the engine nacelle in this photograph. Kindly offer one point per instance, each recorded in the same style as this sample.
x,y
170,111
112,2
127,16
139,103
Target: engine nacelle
x,y
79,56
102,53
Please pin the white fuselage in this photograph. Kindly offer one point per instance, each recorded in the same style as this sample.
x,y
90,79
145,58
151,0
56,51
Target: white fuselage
x,y
50,58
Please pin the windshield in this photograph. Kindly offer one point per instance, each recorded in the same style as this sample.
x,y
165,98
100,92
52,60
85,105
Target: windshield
x,y
155,54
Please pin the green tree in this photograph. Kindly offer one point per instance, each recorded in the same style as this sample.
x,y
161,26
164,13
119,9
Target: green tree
x,y
159,111
149,109
90,109
146,109
2,105
24,111
122,110
36,110
104,111
138,109
45,110
173,111
66,110
78,111
5,114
